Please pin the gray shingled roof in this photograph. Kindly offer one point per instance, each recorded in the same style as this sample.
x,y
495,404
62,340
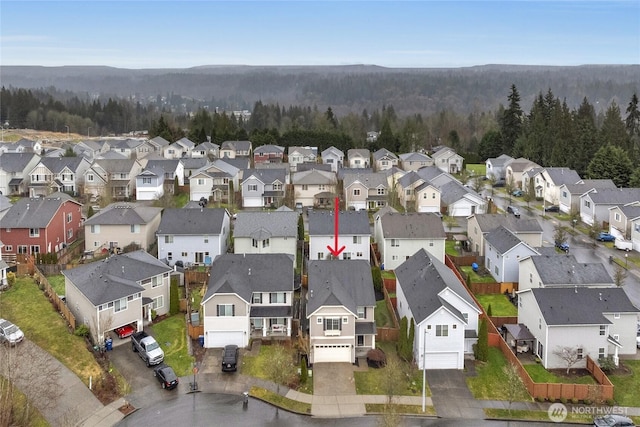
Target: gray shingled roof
x,y
189,222
566,270
453,191
268,148
322,223
489,222
305,151
368,180
520,164
429,173
313,177
412,226
15,162
561,176
383,152
342,172
160,141
185,142
5,203
332,150
503,240
414,157
631,212
580,305
617,196
276,224
116,165
589,184
124,213
115,277
166,165
243,274
422,277
500,160
345,283
34,212
267,176
409,178
358,152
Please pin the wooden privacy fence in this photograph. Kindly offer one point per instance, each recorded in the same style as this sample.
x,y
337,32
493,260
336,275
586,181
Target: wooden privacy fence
x,y
59,305
193,276
195,331
493,288
388,333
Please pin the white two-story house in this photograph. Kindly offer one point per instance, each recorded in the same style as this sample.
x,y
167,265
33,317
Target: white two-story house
x,y
354,233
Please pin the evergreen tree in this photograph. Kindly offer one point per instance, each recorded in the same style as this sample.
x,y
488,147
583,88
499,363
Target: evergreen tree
x,y
585,140
490,145
412,336
482,347
511,121
613,130
632,122
611,162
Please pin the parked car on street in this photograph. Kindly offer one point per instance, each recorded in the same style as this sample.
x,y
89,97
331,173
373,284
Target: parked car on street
x,y
514,210
613,420
10,333
166,376
563,246
552,208
606,237
124,331
517,193
230,358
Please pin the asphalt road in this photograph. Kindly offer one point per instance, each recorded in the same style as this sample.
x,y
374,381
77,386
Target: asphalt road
x,y
203,409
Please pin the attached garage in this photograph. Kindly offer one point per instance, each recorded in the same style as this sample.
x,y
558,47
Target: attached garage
x,y
219,339
448,360
332,353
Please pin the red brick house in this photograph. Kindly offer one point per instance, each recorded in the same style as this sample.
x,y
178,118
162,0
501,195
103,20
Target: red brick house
x,y
40,225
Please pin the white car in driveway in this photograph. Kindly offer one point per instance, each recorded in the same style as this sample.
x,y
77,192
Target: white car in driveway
x,y
10,333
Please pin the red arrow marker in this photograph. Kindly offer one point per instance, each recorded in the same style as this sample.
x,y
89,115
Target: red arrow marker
x,y
335,251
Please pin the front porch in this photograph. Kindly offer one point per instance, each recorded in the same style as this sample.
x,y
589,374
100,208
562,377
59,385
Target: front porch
x,y
270,322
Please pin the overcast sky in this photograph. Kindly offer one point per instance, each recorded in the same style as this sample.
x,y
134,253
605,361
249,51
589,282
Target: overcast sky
x,y
168,34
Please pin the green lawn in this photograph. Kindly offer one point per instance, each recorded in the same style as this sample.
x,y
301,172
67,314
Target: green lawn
x,y
450,248
18,403
371,380
383,317
57,283
379,408
255,366
500,304
475,277
477,169
171,334
489,383
388,274
280,401
540,375
28,307
627,387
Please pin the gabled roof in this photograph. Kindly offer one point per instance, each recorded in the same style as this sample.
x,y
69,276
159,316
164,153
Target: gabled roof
x,y
313,176
422,279
489,222
217,165
414,157
322,223
412,226
16,162
124,213
615,196
368,180
454,191
166,165
242,162
236,145
159,141
499,161
128,143
409,178
503,240
34,212
206,146
521,164
445,152
58,164
342,172
275,224
383,152
358,152
631,212
185,142
345,283
580,305
194,163
332,150
243,274
385,210
112,155
561,176
305,151
192,222
115,277
429,173
566,270
301,167
115,165
5,203
266,176
268,149
27,143
588,184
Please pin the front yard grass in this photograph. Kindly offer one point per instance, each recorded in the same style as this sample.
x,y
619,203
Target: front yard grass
x,y
491,379
476,169
383,317
379,408
500,304
627,387
28,307
171,334
256,366
540,375
475,277
57,283
280,401
371,381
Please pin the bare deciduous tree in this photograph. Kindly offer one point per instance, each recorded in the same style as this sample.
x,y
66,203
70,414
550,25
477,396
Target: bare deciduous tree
x,y
569,355
619,275
279,366
513,384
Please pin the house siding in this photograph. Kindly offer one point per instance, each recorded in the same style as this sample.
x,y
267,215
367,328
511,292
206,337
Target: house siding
x,y
318,244
214,323
122,235
407,248
285,245
191,245
316,331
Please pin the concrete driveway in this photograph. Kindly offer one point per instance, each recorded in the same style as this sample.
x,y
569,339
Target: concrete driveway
x,y
333,379
451,396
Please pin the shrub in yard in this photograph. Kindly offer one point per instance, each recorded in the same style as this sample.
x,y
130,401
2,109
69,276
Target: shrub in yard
x,y
489,311
402,338
377,278
11,278
575,400
82,331
610,402
412,334
607,364
587,401
482,349
563,400
304,371
174,298
376,358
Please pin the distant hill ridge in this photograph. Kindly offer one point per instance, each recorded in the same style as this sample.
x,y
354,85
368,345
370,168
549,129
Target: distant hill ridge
x,y
346,88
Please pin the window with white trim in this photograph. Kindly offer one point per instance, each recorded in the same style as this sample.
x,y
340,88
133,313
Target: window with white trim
x,y
158,302
603,329
135,228
168,238
256,298
442,330
356,191
119,305
34,232
252,187
278,297
362,312
226,310
332,324
357,239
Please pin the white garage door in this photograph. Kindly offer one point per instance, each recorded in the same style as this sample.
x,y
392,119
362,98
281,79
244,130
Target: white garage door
x,y
218,339
442,360
251,202
332,353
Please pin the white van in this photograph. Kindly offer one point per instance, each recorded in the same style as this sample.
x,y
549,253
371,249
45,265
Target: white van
x,y
623,244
